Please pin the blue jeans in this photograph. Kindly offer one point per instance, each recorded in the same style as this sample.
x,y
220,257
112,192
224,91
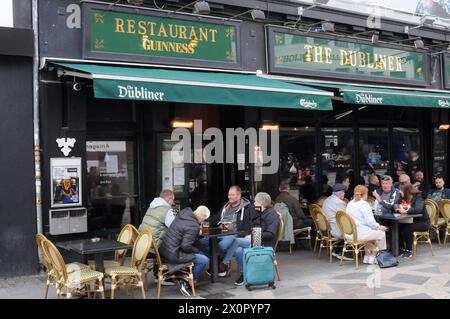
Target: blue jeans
x,y
238,242
238,246
200,264
224,242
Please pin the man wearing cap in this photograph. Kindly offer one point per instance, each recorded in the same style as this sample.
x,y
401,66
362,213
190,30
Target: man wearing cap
x,y
330,207
334,204
387,195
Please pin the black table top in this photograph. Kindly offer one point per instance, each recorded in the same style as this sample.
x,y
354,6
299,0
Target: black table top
x,y
395,217
221,234
87,247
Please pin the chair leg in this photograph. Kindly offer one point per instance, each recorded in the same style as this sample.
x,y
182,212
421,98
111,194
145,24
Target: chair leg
x,y
101,288
310,240
191,277
431,246
68,293
320,248
277,271
46,288
131,287
290,249
445,238
331,252
356,258
342,255
113,286
158,292
414,247
315,244
438,236
140,283
58,291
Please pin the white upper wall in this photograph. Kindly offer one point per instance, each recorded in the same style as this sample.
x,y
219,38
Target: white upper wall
x,y
394,10
6,13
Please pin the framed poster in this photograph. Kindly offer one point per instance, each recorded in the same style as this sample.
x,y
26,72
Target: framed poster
x,y
65,182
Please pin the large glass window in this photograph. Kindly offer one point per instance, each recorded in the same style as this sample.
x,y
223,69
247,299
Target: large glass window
x,y
111,185
373,152
439,152
298,161
407,155
337,150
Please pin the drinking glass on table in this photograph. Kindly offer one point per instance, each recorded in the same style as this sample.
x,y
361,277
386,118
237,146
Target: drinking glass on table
x,y
205,228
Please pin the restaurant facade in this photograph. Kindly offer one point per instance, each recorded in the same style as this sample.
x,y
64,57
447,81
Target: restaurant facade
x,y
116,80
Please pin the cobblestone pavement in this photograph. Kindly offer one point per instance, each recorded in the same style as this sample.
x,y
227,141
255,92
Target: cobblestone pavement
x,y
303,276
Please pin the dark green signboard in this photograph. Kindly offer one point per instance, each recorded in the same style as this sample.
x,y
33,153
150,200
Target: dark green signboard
x,y
128,35
323,56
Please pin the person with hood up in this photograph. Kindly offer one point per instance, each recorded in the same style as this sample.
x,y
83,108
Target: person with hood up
x,y
237,214
179,244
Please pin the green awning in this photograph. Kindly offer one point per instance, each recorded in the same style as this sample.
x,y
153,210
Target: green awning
x,y
397,97
168,85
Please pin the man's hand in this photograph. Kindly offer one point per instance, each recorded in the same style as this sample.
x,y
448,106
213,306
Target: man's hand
x,y
383,228
377,196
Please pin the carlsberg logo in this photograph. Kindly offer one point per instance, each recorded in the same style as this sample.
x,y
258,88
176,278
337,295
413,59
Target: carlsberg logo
x,y
444,103
139,93
308,104
368,99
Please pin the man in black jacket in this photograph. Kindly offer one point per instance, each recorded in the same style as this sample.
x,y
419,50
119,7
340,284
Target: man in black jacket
x,y
178,244
237,214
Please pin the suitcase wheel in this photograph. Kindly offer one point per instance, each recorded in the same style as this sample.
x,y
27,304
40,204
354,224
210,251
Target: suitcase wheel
x,y
248,287
272,285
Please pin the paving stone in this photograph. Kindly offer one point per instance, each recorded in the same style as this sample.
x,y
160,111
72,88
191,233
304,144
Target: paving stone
x,y
410,279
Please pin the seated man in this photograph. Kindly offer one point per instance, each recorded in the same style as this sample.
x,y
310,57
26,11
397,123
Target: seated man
x,y
423,185
387,196
440,192
268,220
159,215
299,219
237,214
179,243
330,207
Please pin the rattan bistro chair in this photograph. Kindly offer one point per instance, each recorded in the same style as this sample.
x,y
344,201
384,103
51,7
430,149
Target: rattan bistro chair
x,y
275,248
320,200
51,278
163,272
323,230
123,275
444,207
436,222
351,243
75,281
125,236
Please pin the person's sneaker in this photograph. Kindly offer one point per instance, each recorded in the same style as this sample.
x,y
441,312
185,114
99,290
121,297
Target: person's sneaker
x,y
240,280
366,259
167,283
408,254
339,257
223,270
371,260
184,288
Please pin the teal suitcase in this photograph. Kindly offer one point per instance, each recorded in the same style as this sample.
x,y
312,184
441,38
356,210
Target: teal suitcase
x,y
259,268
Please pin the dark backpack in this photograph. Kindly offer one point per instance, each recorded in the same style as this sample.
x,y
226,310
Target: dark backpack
x,y
386,260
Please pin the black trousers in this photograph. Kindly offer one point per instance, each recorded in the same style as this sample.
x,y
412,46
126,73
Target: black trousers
x,y
406,233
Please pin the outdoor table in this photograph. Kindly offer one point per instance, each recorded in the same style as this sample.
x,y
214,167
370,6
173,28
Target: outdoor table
x,y
86,247
214,252
393,228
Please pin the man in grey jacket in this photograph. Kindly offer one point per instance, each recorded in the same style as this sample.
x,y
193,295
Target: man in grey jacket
x,y
388,195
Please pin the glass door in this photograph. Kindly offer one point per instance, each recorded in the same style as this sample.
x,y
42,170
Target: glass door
x,y
373,152
112,188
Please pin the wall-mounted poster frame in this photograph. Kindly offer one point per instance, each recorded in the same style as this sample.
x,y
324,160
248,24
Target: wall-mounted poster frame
x,y
66,182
